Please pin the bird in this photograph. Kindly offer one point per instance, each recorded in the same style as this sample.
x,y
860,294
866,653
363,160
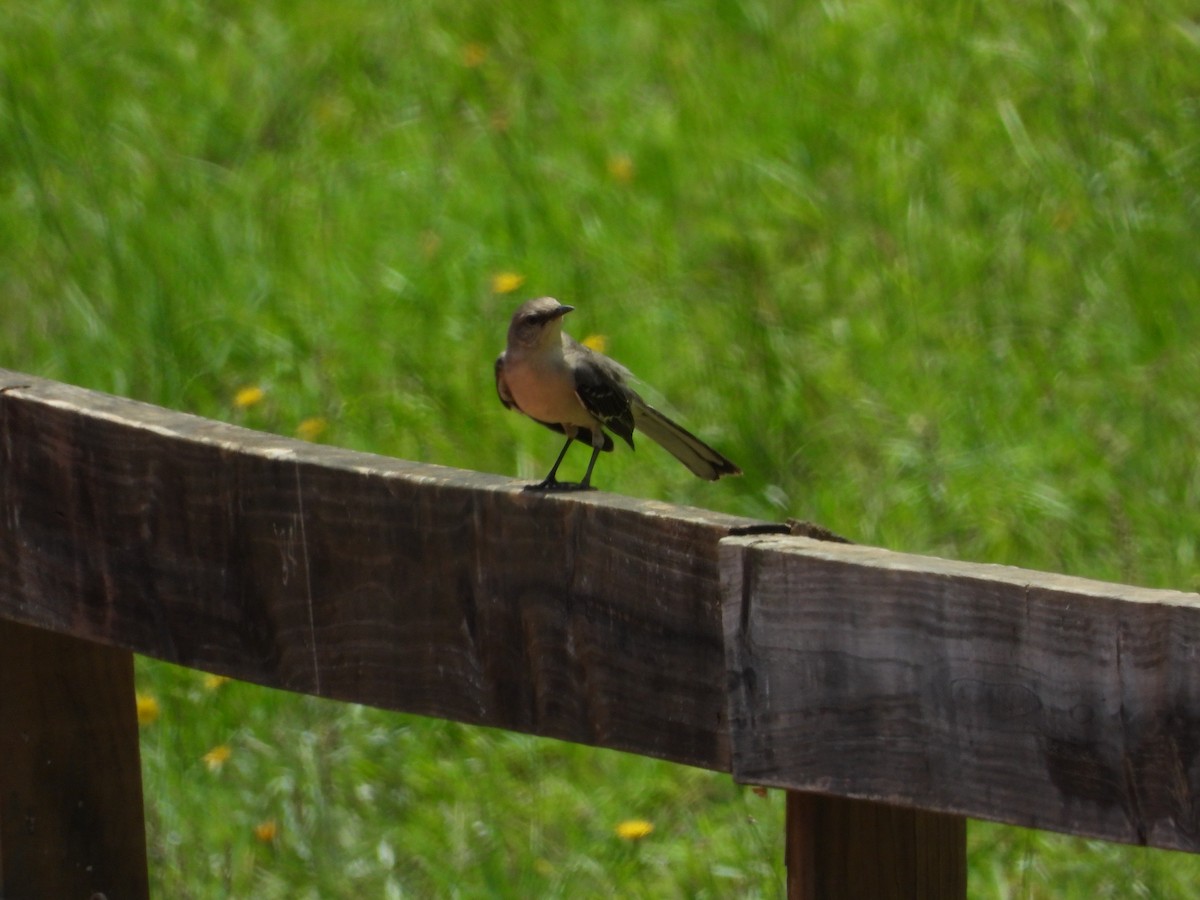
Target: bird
x,y
581,393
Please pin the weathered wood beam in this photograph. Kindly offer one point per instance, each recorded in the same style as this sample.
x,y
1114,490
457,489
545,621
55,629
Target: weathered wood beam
x,y
992,692
955,688
592,618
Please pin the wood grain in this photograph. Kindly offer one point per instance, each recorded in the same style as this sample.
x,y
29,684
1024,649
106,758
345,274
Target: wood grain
x,y
71,821
592,618
986,691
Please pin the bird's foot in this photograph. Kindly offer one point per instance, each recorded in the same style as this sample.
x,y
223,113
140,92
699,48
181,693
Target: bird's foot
x,y
552,484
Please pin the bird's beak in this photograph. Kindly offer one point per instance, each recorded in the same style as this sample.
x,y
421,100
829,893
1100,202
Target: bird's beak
x,y
562,311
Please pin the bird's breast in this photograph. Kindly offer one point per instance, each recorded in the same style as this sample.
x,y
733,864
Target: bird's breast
x,y
544,389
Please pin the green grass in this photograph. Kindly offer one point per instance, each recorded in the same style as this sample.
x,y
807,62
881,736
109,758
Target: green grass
x,y
928,272
374,804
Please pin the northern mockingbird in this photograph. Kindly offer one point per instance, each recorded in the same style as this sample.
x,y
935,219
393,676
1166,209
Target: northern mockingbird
x,y
552,378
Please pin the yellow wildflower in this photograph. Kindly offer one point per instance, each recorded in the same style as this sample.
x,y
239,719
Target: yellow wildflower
x,y
506,282
217,757
248,396
430,244
332,111
266,831
212,682
634,829
147,709
312,428
596,341
620,168
474,55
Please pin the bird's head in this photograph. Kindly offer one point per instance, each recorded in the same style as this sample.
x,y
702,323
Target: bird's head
x,y
536,322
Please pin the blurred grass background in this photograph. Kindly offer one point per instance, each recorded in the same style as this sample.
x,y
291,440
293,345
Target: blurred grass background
x,y
930,273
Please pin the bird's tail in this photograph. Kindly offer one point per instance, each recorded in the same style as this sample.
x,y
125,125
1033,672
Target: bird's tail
x,y
702,459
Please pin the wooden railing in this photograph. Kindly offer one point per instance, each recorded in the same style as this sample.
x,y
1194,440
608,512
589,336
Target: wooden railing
x,y
892,695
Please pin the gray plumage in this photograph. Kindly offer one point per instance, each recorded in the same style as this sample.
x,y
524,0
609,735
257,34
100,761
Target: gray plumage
x,y
557,381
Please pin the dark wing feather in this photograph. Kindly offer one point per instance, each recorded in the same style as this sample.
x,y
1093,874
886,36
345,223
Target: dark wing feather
x,y
600,385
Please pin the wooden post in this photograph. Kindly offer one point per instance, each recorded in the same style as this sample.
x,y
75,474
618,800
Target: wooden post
x,y
71,820
850,849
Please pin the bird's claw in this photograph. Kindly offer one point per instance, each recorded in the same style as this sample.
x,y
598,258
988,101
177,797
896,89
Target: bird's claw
x,y
555,485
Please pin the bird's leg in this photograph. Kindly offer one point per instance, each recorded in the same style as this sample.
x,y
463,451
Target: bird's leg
x,y
550,483
586,484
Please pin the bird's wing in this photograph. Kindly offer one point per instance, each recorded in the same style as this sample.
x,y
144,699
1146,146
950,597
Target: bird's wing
x,y
600,386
